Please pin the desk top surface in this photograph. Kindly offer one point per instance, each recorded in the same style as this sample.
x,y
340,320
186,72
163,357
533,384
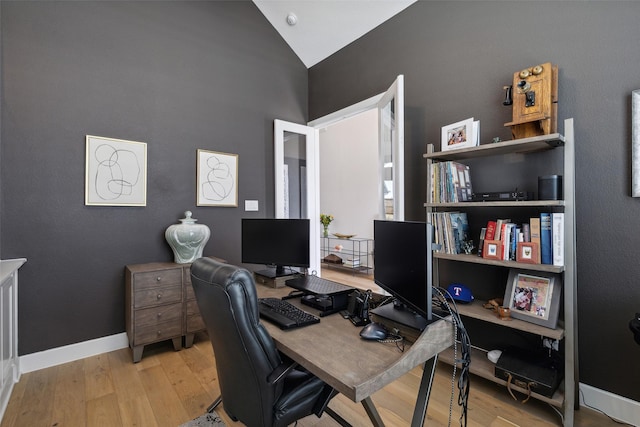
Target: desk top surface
x,y
334,351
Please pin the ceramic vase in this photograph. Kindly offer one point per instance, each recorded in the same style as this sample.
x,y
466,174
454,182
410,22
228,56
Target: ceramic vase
x,y
187,239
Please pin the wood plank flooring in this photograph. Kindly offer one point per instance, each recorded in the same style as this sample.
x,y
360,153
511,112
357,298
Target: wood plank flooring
x,y
168,388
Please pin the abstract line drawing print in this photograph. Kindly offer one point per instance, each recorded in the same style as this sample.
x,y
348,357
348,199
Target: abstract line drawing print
x,y
116,172
217,179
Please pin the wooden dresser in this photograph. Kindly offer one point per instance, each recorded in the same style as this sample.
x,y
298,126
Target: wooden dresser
x,y
160,305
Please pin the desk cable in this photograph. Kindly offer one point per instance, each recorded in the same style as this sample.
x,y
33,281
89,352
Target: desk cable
x,y
443,300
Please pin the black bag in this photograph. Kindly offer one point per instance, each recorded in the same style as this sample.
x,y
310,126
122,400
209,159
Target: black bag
x,y
532,371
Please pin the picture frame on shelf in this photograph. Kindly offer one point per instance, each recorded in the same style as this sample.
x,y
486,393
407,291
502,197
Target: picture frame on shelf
x,y
115,172
527,252
462,134
492,249
533,297
217,179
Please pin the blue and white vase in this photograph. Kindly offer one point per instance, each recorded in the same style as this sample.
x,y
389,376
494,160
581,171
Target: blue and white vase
x,y
187,239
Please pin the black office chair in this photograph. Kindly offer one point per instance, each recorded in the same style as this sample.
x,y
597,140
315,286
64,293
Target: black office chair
x,y
257,387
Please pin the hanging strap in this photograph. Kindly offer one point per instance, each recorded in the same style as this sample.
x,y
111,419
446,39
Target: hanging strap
x,y
523,385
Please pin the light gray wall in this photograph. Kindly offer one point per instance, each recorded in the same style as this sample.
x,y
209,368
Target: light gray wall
x,y
456,57
177,75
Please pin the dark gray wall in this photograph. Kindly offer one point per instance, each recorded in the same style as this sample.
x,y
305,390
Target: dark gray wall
x,y
456,57
177,75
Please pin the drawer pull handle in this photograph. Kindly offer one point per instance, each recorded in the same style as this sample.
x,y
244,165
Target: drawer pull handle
x,y
159,333
158,278
159,296
159,315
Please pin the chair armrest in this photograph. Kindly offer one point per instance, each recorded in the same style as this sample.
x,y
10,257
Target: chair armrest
x,y
280,372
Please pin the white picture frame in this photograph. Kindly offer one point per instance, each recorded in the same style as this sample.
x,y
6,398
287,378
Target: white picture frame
x,y
462,134
635,143
217,179
115,172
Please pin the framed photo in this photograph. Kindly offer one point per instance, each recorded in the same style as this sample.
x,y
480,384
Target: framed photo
x,y
533,297
463,134
217,179
115,172
527,252
492,249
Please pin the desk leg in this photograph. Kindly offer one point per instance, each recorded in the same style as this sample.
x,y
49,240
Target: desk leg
x,y
420,411
374,416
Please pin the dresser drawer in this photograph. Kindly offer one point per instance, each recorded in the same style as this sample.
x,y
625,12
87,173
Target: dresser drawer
x,y
153,279
156,315
159,332
153,297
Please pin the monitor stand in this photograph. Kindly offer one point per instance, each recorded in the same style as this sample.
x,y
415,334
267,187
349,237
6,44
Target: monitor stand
x,y
275,272
401,316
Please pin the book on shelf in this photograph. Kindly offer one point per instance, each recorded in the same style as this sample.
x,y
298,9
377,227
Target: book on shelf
x,y
460,226
450,182
546,251
483,233
534,230
491,230
557,238
451,230
351,262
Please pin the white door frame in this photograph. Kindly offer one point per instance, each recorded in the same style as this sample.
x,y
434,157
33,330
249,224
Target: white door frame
x,y
312,178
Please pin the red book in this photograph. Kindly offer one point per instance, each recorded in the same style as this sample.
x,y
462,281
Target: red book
x,y
491,231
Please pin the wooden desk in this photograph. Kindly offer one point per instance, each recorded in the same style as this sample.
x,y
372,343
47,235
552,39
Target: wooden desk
x,y
333,351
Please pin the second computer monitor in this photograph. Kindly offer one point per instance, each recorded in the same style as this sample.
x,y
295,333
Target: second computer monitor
x,y
402,262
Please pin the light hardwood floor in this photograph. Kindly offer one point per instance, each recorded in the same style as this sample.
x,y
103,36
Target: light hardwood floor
x,y
168,388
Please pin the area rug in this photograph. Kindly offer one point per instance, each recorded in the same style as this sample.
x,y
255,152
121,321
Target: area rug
x,y
207,420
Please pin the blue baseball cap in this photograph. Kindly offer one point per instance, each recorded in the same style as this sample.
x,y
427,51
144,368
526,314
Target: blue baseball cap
x,y
460,292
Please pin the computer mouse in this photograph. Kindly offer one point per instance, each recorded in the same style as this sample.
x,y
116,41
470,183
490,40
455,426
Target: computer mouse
x,y
373,331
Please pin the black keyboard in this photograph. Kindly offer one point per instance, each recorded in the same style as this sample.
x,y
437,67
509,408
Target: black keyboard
x,y
318,286
284,314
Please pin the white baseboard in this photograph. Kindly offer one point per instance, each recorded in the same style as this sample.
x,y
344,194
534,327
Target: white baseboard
x,y
617,407
69,353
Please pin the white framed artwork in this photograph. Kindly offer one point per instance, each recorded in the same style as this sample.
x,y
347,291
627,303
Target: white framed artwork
x,y
115,172
217,179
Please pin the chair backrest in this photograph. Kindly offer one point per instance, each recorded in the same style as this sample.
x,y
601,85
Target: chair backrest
x,y
245,352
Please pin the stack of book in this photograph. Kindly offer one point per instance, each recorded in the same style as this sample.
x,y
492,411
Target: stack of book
x,y
352,262
450,183
540,241
451,231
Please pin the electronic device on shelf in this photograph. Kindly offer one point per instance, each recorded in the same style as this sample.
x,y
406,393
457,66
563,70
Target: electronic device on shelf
x,y
401,255
325,295
499,196
284,314
282,243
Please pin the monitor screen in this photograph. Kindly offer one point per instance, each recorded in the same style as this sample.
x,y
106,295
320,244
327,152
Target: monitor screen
x,y
400,262
278,243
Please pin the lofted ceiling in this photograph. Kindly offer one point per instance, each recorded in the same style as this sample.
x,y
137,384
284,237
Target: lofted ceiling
x,y
322,27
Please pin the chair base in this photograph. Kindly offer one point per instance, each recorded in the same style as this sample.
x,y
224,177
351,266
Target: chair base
x,y
215,404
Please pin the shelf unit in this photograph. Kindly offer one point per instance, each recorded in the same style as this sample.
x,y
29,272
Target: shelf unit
x,y
566,395
355,248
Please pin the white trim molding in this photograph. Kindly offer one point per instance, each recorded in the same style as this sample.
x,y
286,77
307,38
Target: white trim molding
x,y
69,353
617,407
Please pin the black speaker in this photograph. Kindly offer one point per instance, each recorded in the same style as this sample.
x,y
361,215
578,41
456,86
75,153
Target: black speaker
x,y
550,187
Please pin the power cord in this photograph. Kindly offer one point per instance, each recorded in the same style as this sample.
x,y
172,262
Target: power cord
x,y
443,299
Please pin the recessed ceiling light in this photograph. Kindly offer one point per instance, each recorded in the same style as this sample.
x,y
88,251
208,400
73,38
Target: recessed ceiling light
x,y
292,19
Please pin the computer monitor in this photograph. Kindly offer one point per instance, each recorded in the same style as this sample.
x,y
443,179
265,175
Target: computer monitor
x,y
401,258
278,243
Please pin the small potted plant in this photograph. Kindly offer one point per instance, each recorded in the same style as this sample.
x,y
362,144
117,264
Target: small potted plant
x,y
325,220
